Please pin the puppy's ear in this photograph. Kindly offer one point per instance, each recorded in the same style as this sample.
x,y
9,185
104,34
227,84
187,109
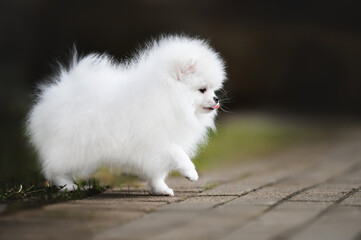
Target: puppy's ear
x,y
186,68
189,66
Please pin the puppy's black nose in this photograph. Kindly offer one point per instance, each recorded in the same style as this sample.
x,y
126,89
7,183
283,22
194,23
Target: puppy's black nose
x,y
216,99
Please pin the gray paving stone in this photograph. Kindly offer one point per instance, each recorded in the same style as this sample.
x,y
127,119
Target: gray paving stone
x,y
353,200
149,225
211,224
342,222
325,192
352,177
281,218
104,205
250,183
59,225
269,195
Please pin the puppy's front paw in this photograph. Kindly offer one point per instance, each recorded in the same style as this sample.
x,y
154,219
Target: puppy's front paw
x,y
191,175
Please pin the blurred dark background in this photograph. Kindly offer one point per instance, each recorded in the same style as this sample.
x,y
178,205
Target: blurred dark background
x,y
297,57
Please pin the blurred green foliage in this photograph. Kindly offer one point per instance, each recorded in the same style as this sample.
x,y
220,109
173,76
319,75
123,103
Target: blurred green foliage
x,y
244,139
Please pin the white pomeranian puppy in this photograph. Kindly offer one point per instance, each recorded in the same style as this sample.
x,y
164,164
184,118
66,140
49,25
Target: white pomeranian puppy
x,y
146,116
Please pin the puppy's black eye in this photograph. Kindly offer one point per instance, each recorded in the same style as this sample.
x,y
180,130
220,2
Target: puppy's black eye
x,y
203,90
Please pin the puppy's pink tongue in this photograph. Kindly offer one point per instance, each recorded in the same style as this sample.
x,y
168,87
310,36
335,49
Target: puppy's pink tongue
x,y
216,107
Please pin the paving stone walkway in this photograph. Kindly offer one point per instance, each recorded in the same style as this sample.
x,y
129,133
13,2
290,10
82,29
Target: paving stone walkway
x,y
309,192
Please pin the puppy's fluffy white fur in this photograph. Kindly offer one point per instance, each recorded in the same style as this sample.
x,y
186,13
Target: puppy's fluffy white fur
x,y
146,116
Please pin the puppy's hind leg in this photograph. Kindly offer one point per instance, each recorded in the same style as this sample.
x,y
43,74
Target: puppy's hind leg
x,y
61,181
159,187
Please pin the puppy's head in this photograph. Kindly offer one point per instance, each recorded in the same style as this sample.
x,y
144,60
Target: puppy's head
x,y
202,75
194,66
